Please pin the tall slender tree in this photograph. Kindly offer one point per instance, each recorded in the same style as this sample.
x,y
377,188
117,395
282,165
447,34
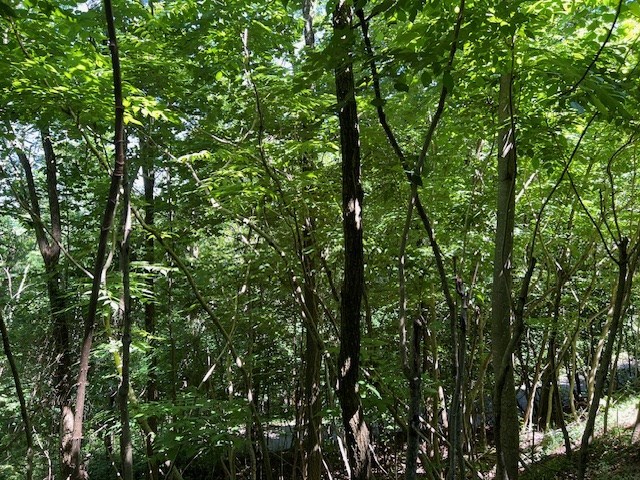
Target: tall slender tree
x,y
79,472
149,182
312,356
506,428
356,430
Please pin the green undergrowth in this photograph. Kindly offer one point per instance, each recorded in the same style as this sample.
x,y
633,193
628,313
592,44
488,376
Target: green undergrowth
x,y
612,455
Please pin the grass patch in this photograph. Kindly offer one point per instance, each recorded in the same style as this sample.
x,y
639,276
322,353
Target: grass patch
x,y
612,456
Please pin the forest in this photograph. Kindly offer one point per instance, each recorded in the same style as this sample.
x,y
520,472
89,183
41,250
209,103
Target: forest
x,y
339,239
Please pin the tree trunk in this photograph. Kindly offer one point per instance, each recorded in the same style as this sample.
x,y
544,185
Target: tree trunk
x,y
312,465
20,393
506,427
415,400
126,448
79,472
50,252
312,461
625,275
149,179
356,430
459,334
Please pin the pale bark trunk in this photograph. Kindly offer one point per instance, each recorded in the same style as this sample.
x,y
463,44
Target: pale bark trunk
x,y
506,428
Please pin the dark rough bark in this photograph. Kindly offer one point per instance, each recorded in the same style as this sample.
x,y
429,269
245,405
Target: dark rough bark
x,y
312,362
79,472
506,428
58,305
415,400
50,251
356,430
312,461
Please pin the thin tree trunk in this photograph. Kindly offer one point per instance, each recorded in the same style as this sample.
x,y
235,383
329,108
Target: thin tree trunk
x,y
459,329
79,472
548,414
537,373
26,420
573,376
623,285
126,448
410,368
506,428
433,367
613,384
312,465
356,430
312,458
149,179
553,362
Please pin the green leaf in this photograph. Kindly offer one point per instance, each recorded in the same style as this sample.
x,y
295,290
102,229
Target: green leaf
x,y
447,81
382,7
577,107
634,8
401,86
426,79
263,26
6,11
378,102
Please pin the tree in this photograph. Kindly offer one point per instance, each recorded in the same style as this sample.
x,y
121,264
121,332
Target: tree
x,y
356,430
79,472
506,428
240,336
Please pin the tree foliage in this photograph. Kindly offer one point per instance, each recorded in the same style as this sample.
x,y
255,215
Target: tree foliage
x,y
233,140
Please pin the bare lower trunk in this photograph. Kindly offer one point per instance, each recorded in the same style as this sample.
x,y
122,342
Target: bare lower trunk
x,y
126,448
26,420
50,251
80,472
150,311
312,465
506,428
415,401
356,430
625,275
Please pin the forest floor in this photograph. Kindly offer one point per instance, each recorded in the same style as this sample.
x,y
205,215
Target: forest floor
x,y
612,456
